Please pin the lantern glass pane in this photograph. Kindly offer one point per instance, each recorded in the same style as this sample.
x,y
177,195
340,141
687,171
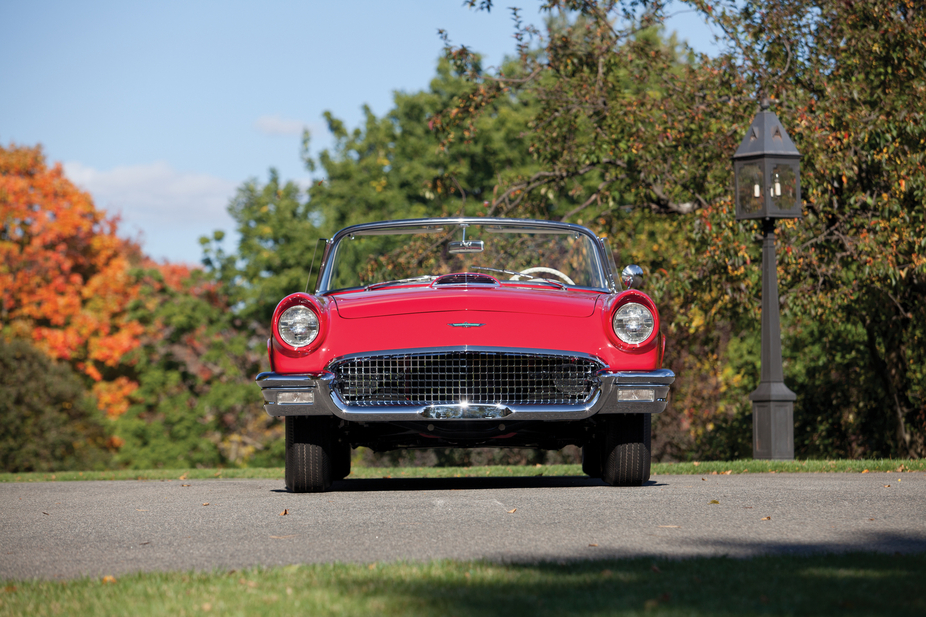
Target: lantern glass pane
x,y
783,189
751,187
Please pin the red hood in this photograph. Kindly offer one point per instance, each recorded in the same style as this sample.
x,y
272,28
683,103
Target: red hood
x,y
426,299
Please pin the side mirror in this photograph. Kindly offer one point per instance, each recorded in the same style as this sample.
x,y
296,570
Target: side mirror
x,y
632,276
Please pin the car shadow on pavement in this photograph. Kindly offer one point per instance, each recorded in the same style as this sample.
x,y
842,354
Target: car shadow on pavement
x,y
386,484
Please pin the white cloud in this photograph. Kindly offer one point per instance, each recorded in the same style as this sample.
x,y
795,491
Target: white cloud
x,y
278,125
170,209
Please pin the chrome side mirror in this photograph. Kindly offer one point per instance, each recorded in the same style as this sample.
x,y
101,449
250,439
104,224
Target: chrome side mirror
x,y
632,276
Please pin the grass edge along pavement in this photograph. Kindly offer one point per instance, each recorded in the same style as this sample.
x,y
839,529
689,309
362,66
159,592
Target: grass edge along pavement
x,y
689,468
843,584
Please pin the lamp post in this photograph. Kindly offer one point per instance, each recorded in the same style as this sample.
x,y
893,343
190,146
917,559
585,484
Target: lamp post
x,y
766,170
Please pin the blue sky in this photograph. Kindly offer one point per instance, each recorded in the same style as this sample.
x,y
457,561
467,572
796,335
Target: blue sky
x,y
160,110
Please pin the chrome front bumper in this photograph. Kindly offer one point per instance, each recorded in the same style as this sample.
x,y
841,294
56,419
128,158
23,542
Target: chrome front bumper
x,y
614,392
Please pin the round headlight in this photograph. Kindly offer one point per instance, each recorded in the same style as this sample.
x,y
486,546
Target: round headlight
x,y
298,326
633,323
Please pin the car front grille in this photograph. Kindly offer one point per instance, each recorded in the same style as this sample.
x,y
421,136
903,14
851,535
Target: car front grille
x,y
478,377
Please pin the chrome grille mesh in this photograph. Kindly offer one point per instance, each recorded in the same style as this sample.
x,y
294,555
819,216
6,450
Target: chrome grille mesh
x,y
447,378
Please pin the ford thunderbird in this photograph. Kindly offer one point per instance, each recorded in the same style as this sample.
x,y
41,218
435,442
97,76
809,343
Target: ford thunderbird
x,y
466,332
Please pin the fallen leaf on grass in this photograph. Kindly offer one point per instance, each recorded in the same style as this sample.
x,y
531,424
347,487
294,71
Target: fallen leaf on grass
x,y
206,607
696,463
512,511
713,473
864,471
713,501
109,579
183,477
767,518
9,588
285,512
251,584
726,473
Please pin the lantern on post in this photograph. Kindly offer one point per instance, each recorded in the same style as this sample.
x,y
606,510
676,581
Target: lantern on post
x,y
766,170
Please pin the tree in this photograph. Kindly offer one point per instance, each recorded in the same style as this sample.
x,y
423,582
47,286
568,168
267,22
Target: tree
x,y
47,423
848,81
391,167
157,345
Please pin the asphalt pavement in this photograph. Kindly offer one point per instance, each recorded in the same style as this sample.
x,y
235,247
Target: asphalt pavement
x,y
60,530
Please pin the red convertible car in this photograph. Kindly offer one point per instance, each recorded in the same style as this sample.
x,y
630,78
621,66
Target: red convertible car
x,y
467,332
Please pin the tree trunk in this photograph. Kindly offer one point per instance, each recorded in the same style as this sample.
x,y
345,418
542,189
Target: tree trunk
x,y
897,395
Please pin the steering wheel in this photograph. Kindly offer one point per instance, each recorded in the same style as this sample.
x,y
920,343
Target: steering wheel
x,y
545,270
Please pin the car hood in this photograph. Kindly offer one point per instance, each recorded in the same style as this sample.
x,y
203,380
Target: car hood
x,y
502,299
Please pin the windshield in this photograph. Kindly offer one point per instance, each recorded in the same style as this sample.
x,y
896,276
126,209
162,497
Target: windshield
x,y
378,257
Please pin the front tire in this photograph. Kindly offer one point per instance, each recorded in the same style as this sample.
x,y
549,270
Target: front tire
x,y
309,450
626,455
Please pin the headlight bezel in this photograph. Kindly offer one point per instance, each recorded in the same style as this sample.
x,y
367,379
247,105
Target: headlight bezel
x,y
298,302
621,300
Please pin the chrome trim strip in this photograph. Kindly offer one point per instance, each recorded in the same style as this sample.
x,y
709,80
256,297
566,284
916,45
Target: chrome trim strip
x,y
602,401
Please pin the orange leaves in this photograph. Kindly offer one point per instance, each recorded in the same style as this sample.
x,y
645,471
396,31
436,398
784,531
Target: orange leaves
x,y
113,396
65,275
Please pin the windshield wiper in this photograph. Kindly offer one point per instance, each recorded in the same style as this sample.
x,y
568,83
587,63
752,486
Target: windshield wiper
x,y
511,272
559,284
418,279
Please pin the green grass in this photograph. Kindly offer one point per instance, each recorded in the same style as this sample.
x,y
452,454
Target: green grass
x,y
705,468
852,584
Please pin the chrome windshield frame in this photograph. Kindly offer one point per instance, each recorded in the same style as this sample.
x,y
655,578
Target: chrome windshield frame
x,y
330,254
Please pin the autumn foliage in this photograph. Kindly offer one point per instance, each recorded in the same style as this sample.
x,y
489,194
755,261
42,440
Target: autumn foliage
x,y
153,342
65,279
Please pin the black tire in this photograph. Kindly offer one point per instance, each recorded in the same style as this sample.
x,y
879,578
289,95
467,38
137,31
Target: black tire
x,y
341,460
626,454
309,449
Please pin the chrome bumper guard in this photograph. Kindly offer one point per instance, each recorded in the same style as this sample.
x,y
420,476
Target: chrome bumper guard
x,y
614,392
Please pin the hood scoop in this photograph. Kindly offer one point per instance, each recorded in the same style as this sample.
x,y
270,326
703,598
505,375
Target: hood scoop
x,y
464,279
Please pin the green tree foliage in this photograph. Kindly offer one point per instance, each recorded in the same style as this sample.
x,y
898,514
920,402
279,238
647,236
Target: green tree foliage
x,y
47,422
196,404
658,129
390,167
